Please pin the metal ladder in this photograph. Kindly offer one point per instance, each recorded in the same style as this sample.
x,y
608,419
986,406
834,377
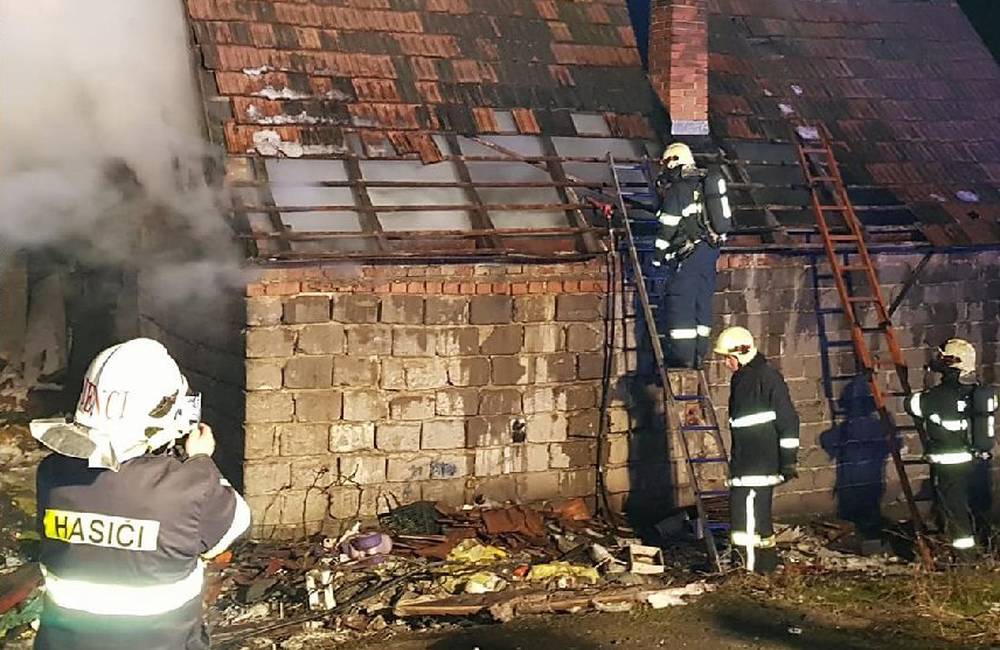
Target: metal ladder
x,y
632,184
846,253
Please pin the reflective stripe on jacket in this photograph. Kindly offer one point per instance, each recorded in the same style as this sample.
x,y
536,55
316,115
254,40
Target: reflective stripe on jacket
x,y
763,421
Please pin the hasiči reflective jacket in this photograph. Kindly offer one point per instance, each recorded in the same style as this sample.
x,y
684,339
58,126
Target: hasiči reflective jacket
x,y
693,208
763,424
959,419
122,552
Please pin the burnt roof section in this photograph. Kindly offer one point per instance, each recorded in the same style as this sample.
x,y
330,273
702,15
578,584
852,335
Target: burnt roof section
x,y
908,90
394,71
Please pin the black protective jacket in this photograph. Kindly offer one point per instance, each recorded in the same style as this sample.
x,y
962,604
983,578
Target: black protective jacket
x,y
763,422
957,418
122,551
693,208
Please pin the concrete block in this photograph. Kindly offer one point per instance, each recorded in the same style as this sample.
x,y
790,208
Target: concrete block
x,y
573,453
355,371
398,436
446,466
446,310
269,342
308,372
457,401
393,374
304,507
314,472
269,406
264,310
263,374
489,431
458,341
356,308
503,339
555,368
512,370
345,437
501,489
407,468
344,503
537,458
307,309
590,365
487,310
620,421
412,407
318,406
581,337
618,479
499,401
403,309
579,307
365,405
363,469
547,427
534,309
538,399
538,486
422,374
576,396
497,461
259,441
369,340
303,439
413,342
266,477
450,492
618,450
577,482
443,434
543,337
322,338
469,371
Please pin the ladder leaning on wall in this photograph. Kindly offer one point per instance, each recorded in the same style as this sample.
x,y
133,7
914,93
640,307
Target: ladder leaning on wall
x,y
861,302
701,442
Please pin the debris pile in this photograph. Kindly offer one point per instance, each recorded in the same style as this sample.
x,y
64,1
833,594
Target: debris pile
x,y
429,565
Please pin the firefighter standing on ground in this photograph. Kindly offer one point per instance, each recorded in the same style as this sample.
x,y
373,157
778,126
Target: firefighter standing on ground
x,y
125,531
694,216
765,443
959,418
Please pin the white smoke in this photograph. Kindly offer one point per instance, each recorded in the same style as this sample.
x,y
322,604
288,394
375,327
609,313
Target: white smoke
x,y
101,135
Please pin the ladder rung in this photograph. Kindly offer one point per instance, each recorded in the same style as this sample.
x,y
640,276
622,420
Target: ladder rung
x,y
822,179
833,208
713,459
690,398
843,377
688,428
915,461
839,344
862,299
814,150
711,493
850,268
872,330
843,238
830,310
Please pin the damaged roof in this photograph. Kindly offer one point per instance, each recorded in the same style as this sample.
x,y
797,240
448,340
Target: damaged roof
x,y
906,87
395,71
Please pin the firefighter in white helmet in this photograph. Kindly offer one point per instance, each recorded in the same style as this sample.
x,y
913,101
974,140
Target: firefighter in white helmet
x,y
126,528
959,419
694,217
765,443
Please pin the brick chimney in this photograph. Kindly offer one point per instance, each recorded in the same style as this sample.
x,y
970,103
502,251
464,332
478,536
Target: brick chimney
x,y
678,62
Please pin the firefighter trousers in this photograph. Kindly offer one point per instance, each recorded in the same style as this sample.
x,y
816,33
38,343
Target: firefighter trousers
x,y
951,490
752,530
688,307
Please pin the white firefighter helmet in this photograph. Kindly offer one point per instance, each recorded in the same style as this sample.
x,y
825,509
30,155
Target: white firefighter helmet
x,y
736,342
677,154
134,399
958,354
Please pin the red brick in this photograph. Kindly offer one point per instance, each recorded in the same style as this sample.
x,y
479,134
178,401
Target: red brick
x,y
467,288
519,288
283,288
255,289
451,288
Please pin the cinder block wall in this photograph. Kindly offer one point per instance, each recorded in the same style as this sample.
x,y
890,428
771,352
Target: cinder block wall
x,y
403,383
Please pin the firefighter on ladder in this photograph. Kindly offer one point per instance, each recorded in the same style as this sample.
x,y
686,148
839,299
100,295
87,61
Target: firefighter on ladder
x,y
694,216
765,443
125,526
959,418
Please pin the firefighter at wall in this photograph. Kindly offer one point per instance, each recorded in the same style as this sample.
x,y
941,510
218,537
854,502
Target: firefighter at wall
x,y
765,443
694,216
959,418
125,525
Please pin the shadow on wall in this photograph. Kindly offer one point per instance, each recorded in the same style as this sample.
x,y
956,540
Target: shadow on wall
x,y
651,475
858,446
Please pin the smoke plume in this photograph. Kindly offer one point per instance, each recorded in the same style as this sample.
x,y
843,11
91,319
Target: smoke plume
x,y
100,134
